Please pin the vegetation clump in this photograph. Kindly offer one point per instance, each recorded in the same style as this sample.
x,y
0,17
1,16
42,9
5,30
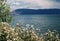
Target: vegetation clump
x,y
4,12
9,33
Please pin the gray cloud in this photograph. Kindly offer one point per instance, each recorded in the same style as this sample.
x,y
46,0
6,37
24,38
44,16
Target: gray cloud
x,y
56,0
34,4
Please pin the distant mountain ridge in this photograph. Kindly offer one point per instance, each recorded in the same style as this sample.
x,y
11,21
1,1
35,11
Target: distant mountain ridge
x,y
38,11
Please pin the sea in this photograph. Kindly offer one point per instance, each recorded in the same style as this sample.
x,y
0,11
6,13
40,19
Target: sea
x,y
41,21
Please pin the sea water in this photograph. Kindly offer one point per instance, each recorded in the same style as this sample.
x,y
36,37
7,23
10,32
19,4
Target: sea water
x,y
42,22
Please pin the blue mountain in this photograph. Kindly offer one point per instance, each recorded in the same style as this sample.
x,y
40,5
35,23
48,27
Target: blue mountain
x,y
34,12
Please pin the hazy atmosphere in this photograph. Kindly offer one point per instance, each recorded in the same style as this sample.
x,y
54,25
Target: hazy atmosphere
x,y
29,20
34,4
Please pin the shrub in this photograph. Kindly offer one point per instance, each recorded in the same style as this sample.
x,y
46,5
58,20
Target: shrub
x,y
8,33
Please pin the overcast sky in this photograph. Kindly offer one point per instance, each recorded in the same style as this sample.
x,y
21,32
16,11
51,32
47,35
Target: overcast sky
x,y
34,4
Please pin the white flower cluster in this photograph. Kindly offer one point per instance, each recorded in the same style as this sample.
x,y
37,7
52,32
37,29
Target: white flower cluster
x,y
7,33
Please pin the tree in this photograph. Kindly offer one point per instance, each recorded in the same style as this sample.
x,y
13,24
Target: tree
x,y
4,12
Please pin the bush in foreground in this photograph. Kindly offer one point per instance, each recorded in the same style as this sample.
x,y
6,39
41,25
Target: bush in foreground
x,y
9,33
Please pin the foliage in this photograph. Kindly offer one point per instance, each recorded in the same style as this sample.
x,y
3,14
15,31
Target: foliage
x,y
4,12
9,33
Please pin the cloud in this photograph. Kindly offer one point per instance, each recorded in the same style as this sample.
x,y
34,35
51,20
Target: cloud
x,y
56,0
33,4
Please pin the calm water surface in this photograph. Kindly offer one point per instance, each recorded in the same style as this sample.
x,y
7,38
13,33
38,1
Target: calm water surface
x,y
43,22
